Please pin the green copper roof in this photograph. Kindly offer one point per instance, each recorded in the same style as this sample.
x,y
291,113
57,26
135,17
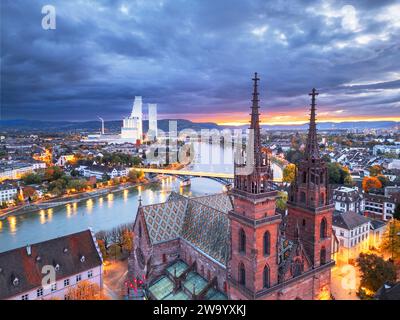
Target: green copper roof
x,y
177,268
161,288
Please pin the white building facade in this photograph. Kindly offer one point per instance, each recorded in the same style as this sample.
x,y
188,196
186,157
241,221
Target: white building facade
x,y
75,258
133,125
8,193
152,134
352,231
348,199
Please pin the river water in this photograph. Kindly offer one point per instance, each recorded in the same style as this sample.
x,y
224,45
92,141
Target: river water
x,y
106,212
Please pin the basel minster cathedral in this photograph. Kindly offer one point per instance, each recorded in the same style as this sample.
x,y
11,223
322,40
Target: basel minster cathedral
x,y
236,245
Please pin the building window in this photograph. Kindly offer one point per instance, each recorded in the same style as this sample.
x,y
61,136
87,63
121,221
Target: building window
x,y
242,274
304,222
303,197
66,282
39,292
266,277
297,268
78,278
164,258
53,287
322,256
140,230
25,297
242,241
267,243
90,274
323,228
208,275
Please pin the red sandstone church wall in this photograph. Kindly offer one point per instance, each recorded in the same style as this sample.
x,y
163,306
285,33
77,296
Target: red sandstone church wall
x,y
205,266
309,288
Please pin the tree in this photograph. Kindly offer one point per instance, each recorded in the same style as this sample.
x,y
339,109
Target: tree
x,y
102,248
105,177
86,290
135,176
338,174
396,214
281,200
384,180
369,183
375,271
375,170
289,173
294,156
53,173
32,178
127,240
391,240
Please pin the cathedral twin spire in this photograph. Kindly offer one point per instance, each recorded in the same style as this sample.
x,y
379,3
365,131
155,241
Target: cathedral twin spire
x,y
255,181
312,150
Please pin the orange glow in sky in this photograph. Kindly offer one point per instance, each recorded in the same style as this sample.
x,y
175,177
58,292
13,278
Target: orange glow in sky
x,y
238,119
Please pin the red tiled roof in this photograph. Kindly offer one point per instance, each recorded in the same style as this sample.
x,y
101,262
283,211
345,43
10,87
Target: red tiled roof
x,y
17,263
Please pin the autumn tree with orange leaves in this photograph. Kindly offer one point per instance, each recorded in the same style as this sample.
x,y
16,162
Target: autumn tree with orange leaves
x,y
86,290
369,183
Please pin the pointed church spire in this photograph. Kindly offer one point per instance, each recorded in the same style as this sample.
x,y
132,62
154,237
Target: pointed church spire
x,y
312,150
255,122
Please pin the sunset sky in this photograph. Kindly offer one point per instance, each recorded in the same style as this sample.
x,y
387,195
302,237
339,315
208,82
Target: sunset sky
x,y
196,58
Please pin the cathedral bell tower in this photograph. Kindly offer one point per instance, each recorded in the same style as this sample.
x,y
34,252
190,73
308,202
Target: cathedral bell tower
x,y
310,206
253,221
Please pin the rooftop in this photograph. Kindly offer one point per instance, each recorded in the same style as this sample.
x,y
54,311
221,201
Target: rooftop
x,y
20,269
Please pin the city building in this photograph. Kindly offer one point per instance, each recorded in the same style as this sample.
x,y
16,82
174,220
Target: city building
x,y
153,130
348,199
352,231
379,206
377,230
133,125
15,170
379,149
75,257
236,245
99,171
389,291
8,193
64,159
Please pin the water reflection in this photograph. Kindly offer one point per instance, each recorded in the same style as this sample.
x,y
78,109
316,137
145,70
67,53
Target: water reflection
x,y
38,226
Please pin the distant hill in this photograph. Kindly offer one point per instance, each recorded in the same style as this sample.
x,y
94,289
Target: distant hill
x,y
115,126
93,126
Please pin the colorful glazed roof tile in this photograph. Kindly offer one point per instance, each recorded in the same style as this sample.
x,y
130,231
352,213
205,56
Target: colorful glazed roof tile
x,y
201,221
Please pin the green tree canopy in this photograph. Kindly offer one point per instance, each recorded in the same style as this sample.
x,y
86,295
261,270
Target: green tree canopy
x,y
375,271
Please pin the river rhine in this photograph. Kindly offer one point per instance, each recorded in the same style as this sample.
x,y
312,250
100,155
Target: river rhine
x,y
109,211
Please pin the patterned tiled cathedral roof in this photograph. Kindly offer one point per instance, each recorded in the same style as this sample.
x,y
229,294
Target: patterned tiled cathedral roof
x,y
219,201
164,220
207,229
202,221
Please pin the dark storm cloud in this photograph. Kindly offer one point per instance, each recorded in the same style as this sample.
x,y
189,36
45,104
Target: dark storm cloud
x,y
197,57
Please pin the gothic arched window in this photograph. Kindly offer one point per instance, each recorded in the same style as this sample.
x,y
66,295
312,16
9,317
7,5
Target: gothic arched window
x,y
267,243
242,274
304,177
322,199
323,228
303,197
297,268
242,241
140,230
266,277
323,256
